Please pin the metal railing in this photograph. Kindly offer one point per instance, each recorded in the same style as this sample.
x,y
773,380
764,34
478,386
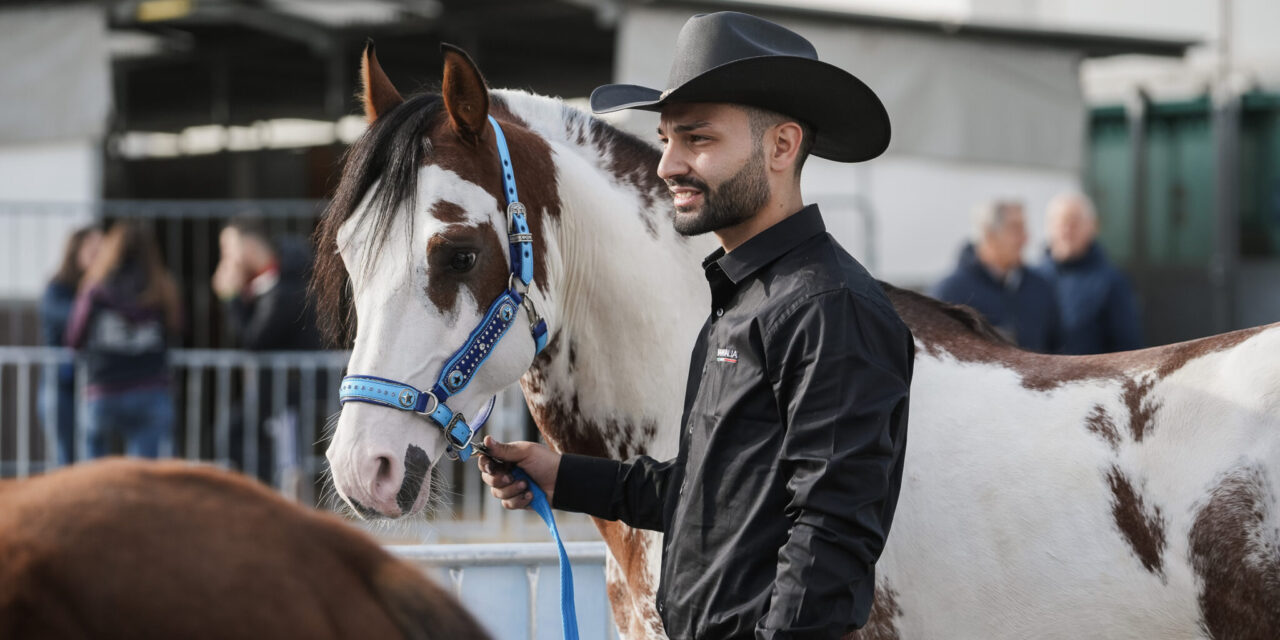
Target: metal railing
x,y
488,579
266,414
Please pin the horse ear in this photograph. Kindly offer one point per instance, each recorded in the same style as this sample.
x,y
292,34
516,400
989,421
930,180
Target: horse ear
x,y
466,97
380,96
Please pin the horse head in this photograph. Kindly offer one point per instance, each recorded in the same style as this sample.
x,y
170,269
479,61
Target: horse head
x,y
415,272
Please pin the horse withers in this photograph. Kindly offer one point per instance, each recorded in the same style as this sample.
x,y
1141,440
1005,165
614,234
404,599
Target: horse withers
x,y
135,549
1123,496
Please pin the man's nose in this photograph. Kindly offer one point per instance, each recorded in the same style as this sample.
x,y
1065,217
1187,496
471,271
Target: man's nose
x,y
672,163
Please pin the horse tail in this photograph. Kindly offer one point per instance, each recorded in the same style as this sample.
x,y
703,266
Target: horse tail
x,y
419,607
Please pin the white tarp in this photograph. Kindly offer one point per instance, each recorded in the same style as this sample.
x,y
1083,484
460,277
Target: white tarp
x,y
948,97
55,73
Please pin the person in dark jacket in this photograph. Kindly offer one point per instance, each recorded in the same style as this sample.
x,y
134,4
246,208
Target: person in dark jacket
x,y
125,314
261,281
790,456
58,401
1099,309
990,277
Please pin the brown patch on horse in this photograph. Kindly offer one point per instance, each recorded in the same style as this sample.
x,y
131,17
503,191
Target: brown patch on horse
x,y
466,96
1235,551
448,212
376,91
963,334
1142,408
134,549
628,548
634,163
882,622
1100,423
1141,527
485,281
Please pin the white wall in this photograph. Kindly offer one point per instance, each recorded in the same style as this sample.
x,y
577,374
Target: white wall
x,y
46,191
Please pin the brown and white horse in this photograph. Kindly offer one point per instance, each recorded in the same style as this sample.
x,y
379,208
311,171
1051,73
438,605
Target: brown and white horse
x,y
1121,496
131,549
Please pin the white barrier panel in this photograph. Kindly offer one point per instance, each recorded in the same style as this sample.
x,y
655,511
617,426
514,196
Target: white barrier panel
x,y
514,589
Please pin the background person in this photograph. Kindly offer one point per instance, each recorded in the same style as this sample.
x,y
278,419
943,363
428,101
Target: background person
x,y
58,397
125,314
262,282
990,277
1099,309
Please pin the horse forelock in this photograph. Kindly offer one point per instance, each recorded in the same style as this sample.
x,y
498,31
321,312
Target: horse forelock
x,y
381,178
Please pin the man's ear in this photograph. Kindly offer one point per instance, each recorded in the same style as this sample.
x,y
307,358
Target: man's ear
x,y
466,97
784,144
377,92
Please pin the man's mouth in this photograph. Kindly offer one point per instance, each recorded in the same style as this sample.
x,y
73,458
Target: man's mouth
x,y
686,197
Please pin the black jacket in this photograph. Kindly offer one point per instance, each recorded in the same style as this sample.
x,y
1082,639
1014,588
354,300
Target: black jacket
x,y
779,501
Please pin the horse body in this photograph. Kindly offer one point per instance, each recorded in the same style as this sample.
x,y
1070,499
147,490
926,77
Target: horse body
x,y
133,549
1128,495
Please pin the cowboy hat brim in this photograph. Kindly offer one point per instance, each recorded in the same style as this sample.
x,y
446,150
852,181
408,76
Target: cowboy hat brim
x,y
850,124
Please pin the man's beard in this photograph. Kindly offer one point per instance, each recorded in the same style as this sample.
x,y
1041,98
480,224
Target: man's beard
x,y
735,201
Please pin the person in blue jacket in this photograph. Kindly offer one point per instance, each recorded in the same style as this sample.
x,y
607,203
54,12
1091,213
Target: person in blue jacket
x,y
58,400
991,278
1099,309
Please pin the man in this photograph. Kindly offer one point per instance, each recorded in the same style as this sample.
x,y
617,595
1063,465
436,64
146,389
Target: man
x,y
1099,311
790,458
264,286
262,283
990,277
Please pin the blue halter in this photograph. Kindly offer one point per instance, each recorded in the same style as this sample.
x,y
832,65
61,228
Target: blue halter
x,y
460,368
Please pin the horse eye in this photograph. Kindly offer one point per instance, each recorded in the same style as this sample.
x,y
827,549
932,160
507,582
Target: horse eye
x,y
462,261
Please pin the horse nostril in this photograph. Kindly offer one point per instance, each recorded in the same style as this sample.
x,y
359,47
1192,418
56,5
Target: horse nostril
x,y
384,469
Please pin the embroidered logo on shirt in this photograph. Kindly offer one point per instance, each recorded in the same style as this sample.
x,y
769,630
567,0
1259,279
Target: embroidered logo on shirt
x,y
727,355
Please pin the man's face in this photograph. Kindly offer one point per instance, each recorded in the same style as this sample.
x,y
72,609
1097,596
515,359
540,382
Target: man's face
x,y
1007,240
229,246
1071,230
713,164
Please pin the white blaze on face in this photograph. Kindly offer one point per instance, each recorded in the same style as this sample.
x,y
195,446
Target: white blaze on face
x,y
401,335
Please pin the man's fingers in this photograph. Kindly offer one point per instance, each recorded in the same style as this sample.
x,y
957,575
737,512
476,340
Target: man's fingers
x,y
520,502
509,491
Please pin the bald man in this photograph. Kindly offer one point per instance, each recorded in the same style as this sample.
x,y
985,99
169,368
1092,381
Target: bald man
x,y
1099,310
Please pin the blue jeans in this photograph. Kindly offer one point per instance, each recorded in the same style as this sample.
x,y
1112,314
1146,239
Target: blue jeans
x,y
143,418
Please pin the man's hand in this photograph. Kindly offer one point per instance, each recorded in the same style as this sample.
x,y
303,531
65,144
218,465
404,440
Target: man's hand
x,y
228,279
540,462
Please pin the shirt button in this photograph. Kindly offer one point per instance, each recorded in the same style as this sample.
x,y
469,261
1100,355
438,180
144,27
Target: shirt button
x,y
719,312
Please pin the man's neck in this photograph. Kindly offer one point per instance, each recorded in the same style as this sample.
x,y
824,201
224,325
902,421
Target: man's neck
x,y
776,210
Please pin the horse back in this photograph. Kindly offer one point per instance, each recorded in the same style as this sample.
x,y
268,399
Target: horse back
x,y
129,549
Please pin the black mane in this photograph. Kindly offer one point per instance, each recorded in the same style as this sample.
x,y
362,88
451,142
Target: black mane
x,y
389,154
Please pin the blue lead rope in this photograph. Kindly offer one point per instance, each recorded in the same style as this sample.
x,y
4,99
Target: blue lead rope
x,y
540,505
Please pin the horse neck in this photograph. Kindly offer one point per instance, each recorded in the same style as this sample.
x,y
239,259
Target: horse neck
x,y
626,299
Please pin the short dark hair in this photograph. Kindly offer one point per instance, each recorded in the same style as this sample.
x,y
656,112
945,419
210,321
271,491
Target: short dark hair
x,y
762,119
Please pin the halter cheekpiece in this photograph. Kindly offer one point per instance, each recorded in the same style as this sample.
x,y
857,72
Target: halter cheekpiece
x,y
461,367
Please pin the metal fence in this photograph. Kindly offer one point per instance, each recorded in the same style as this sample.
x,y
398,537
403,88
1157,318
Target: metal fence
x,y
187,233
514,589
264,413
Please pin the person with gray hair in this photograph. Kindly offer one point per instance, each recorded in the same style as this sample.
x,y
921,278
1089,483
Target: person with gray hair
x,y
1099,309
990,277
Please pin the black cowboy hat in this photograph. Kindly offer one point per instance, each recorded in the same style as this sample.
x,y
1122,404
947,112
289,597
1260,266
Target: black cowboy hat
x,y
738,58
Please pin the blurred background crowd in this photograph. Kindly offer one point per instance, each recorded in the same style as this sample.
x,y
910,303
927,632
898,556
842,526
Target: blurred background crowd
x,y
1088,175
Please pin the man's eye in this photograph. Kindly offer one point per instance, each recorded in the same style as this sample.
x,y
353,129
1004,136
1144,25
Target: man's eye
x,y
698,138
463,261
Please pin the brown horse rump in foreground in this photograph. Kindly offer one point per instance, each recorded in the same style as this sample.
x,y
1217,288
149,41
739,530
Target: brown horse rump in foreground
x,y
132,549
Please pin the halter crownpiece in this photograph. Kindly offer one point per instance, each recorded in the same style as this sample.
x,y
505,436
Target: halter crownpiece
x,y
460,369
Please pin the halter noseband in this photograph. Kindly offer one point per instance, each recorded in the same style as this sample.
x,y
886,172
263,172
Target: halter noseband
x,y
460,368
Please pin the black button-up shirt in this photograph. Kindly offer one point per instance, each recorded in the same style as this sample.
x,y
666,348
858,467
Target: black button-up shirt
x,y
791,447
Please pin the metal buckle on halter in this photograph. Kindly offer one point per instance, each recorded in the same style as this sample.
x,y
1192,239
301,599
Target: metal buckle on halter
x,y
514,283
534,318
430,409
455,447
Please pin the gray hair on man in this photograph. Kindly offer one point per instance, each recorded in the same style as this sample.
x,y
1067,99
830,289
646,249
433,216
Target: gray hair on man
x,y
1070,200
991,215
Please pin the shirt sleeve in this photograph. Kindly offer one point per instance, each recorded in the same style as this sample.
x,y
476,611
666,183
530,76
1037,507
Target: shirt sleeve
x,y
634,491
841,371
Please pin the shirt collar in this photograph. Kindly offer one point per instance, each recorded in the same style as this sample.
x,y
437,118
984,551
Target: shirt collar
x,y
768,245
